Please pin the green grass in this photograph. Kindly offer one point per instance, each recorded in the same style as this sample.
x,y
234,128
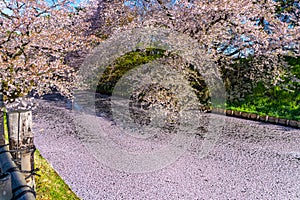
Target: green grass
x,y
273,102
5,126
50,185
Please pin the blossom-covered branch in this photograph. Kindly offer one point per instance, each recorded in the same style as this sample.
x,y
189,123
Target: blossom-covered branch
x,y
35,37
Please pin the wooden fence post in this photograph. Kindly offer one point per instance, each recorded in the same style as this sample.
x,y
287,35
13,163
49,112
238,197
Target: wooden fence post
x,y
12,182
21,141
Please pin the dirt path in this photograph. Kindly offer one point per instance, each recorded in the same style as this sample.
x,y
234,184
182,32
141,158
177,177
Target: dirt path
x,y
250,160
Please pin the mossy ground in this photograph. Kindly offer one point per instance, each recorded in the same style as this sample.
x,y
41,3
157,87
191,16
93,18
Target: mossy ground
x,y
49,185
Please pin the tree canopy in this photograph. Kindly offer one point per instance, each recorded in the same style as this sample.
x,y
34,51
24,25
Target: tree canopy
x,y
35,38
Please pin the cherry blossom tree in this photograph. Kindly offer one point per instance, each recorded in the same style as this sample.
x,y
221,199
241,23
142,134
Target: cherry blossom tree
x,y
38,36
35,40
262,32
219,24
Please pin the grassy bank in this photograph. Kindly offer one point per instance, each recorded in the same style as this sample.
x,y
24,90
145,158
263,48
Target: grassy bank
x,y
49,185
282,105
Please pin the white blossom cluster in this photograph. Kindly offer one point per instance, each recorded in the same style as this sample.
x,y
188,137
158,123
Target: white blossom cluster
x,y
21,103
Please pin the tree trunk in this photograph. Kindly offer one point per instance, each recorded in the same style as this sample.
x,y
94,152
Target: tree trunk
x,y
2,138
